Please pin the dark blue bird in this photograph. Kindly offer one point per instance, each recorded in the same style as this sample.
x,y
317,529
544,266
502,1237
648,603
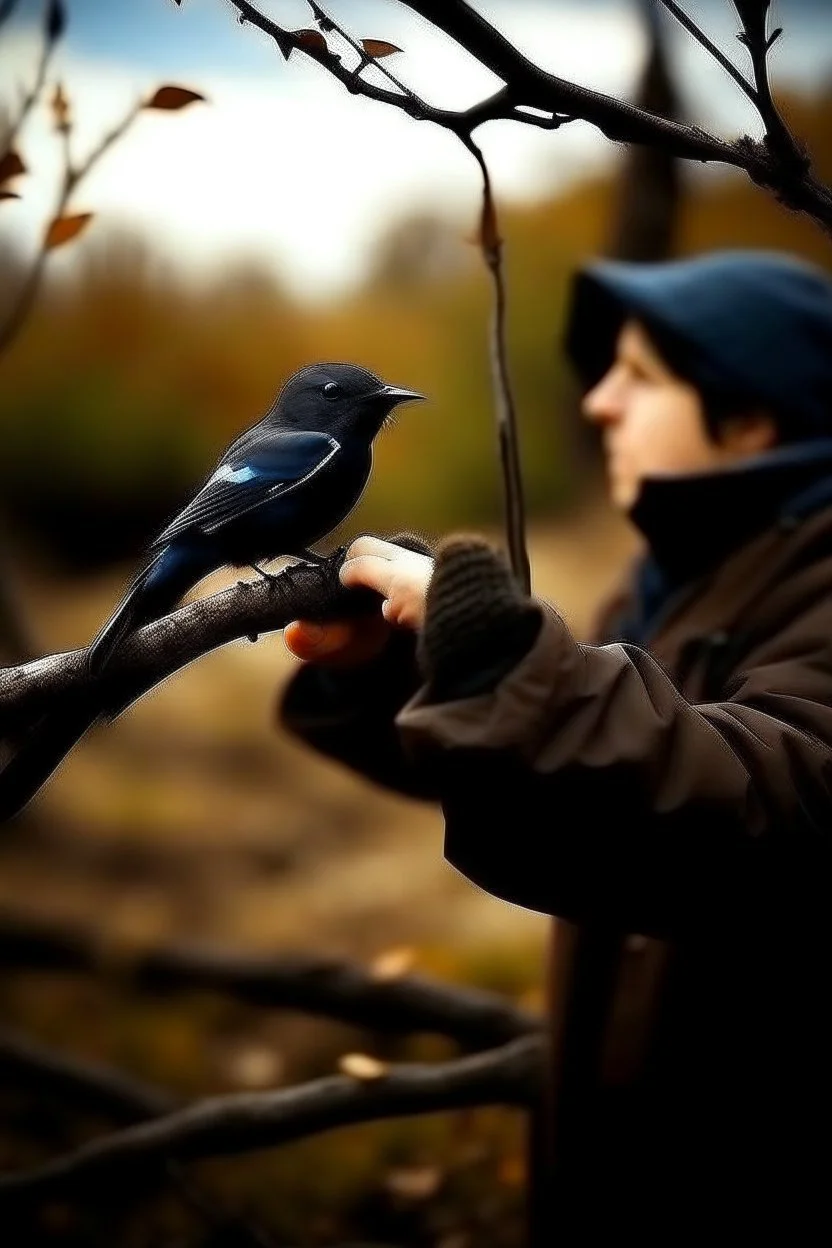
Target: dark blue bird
x,y
281,487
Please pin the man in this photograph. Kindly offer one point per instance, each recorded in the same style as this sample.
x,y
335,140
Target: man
x,y
672,780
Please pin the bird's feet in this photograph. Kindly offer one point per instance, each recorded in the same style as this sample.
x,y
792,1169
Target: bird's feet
x,y
271,577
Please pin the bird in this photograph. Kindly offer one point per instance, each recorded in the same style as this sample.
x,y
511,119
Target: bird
x,y
279,488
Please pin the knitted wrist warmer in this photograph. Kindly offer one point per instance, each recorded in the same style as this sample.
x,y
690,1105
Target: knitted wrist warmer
x,y
478,623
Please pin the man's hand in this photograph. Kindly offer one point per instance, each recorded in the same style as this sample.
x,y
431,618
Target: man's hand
x,y
401,578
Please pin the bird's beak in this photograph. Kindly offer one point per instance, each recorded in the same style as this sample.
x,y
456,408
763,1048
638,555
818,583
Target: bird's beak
x,y
397,395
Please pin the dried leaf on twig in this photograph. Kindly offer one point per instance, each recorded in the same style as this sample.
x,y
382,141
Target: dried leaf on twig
x,y
377,48
170,98
64,229
312,39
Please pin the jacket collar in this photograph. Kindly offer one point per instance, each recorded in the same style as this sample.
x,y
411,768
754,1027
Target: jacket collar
x,y
693,522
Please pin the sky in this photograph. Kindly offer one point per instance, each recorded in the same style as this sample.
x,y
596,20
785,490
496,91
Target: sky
x,y
284,168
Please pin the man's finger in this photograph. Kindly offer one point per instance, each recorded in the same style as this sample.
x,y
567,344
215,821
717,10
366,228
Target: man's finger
x,y
308,640
369,545
371,571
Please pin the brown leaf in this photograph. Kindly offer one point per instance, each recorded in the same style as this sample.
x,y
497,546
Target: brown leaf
x,y
60,107
11,166
362,1067
312,39
63,229
393,963
8,195
378,48
170,98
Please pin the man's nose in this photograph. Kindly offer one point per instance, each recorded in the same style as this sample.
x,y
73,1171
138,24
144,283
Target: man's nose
x,y
602,404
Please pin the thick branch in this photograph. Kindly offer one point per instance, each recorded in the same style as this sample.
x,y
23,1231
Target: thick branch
x,y
223,1126
329,987
99,1089
155,651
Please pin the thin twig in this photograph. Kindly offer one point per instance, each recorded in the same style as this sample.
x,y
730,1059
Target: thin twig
x,y
491,246
684,19
30,96
70,178
228,1125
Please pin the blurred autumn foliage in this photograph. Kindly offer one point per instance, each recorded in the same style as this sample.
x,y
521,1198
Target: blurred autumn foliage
x,y
151,373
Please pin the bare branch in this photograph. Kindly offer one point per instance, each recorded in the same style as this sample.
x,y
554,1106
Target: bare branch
x,y
332,988
96,1087
779,139
71,177
685,20
527,86
228,1125
32,94
99,1089
61,690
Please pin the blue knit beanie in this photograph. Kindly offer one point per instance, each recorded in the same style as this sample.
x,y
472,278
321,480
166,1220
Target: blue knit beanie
x,y
754,324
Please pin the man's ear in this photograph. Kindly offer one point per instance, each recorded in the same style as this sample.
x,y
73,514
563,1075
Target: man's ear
x,y
749,433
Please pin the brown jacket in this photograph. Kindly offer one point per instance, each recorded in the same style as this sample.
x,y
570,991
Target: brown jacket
x,y
683,795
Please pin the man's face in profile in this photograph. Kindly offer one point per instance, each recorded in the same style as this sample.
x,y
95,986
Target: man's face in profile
x,y
652,421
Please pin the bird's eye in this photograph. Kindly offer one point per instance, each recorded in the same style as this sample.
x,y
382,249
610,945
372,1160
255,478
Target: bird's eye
x,y
331,390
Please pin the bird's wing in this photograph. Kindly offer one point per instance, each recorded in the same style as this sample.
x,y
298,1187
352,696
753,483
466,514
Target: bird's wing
x,y
250,476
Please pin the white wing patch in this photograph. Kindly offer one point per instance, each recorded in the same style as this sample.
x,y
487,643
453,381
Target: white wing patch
x,y
236,476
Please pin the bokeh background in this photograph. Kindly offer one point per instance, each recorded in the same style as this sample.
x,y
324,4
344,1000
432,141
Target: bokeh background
x,y
277,222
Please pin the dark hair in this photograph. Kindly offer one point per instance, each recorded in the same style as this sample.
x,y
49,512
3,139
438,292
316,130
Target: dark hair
x,y
722,397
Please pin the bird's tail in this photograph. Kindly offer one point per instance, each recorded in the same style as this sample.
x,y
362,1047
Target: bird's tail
x,y
156,588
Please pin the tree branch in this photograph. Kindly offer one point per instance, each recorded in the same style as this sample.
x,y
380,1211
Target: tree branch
x,y
529,86
46,706
31,95
228,1125
328,987
71,176
99,1089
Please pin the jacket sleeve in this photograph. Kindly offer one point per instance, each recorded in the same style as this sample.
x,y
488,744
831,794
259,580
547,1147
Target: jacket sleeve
x,y
585,785
349,715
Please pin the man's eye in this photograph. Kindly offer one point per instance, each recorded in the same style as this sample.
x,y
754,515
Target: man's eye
x,y
331,390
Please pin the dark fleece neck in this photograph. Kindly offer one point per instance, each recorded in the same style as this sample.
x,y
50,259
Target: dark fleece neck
x,y
693,522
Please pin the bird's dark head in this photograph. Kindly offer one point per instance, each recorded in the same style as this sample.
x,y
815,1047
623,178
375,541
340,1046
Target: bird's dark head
x,y
337,398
